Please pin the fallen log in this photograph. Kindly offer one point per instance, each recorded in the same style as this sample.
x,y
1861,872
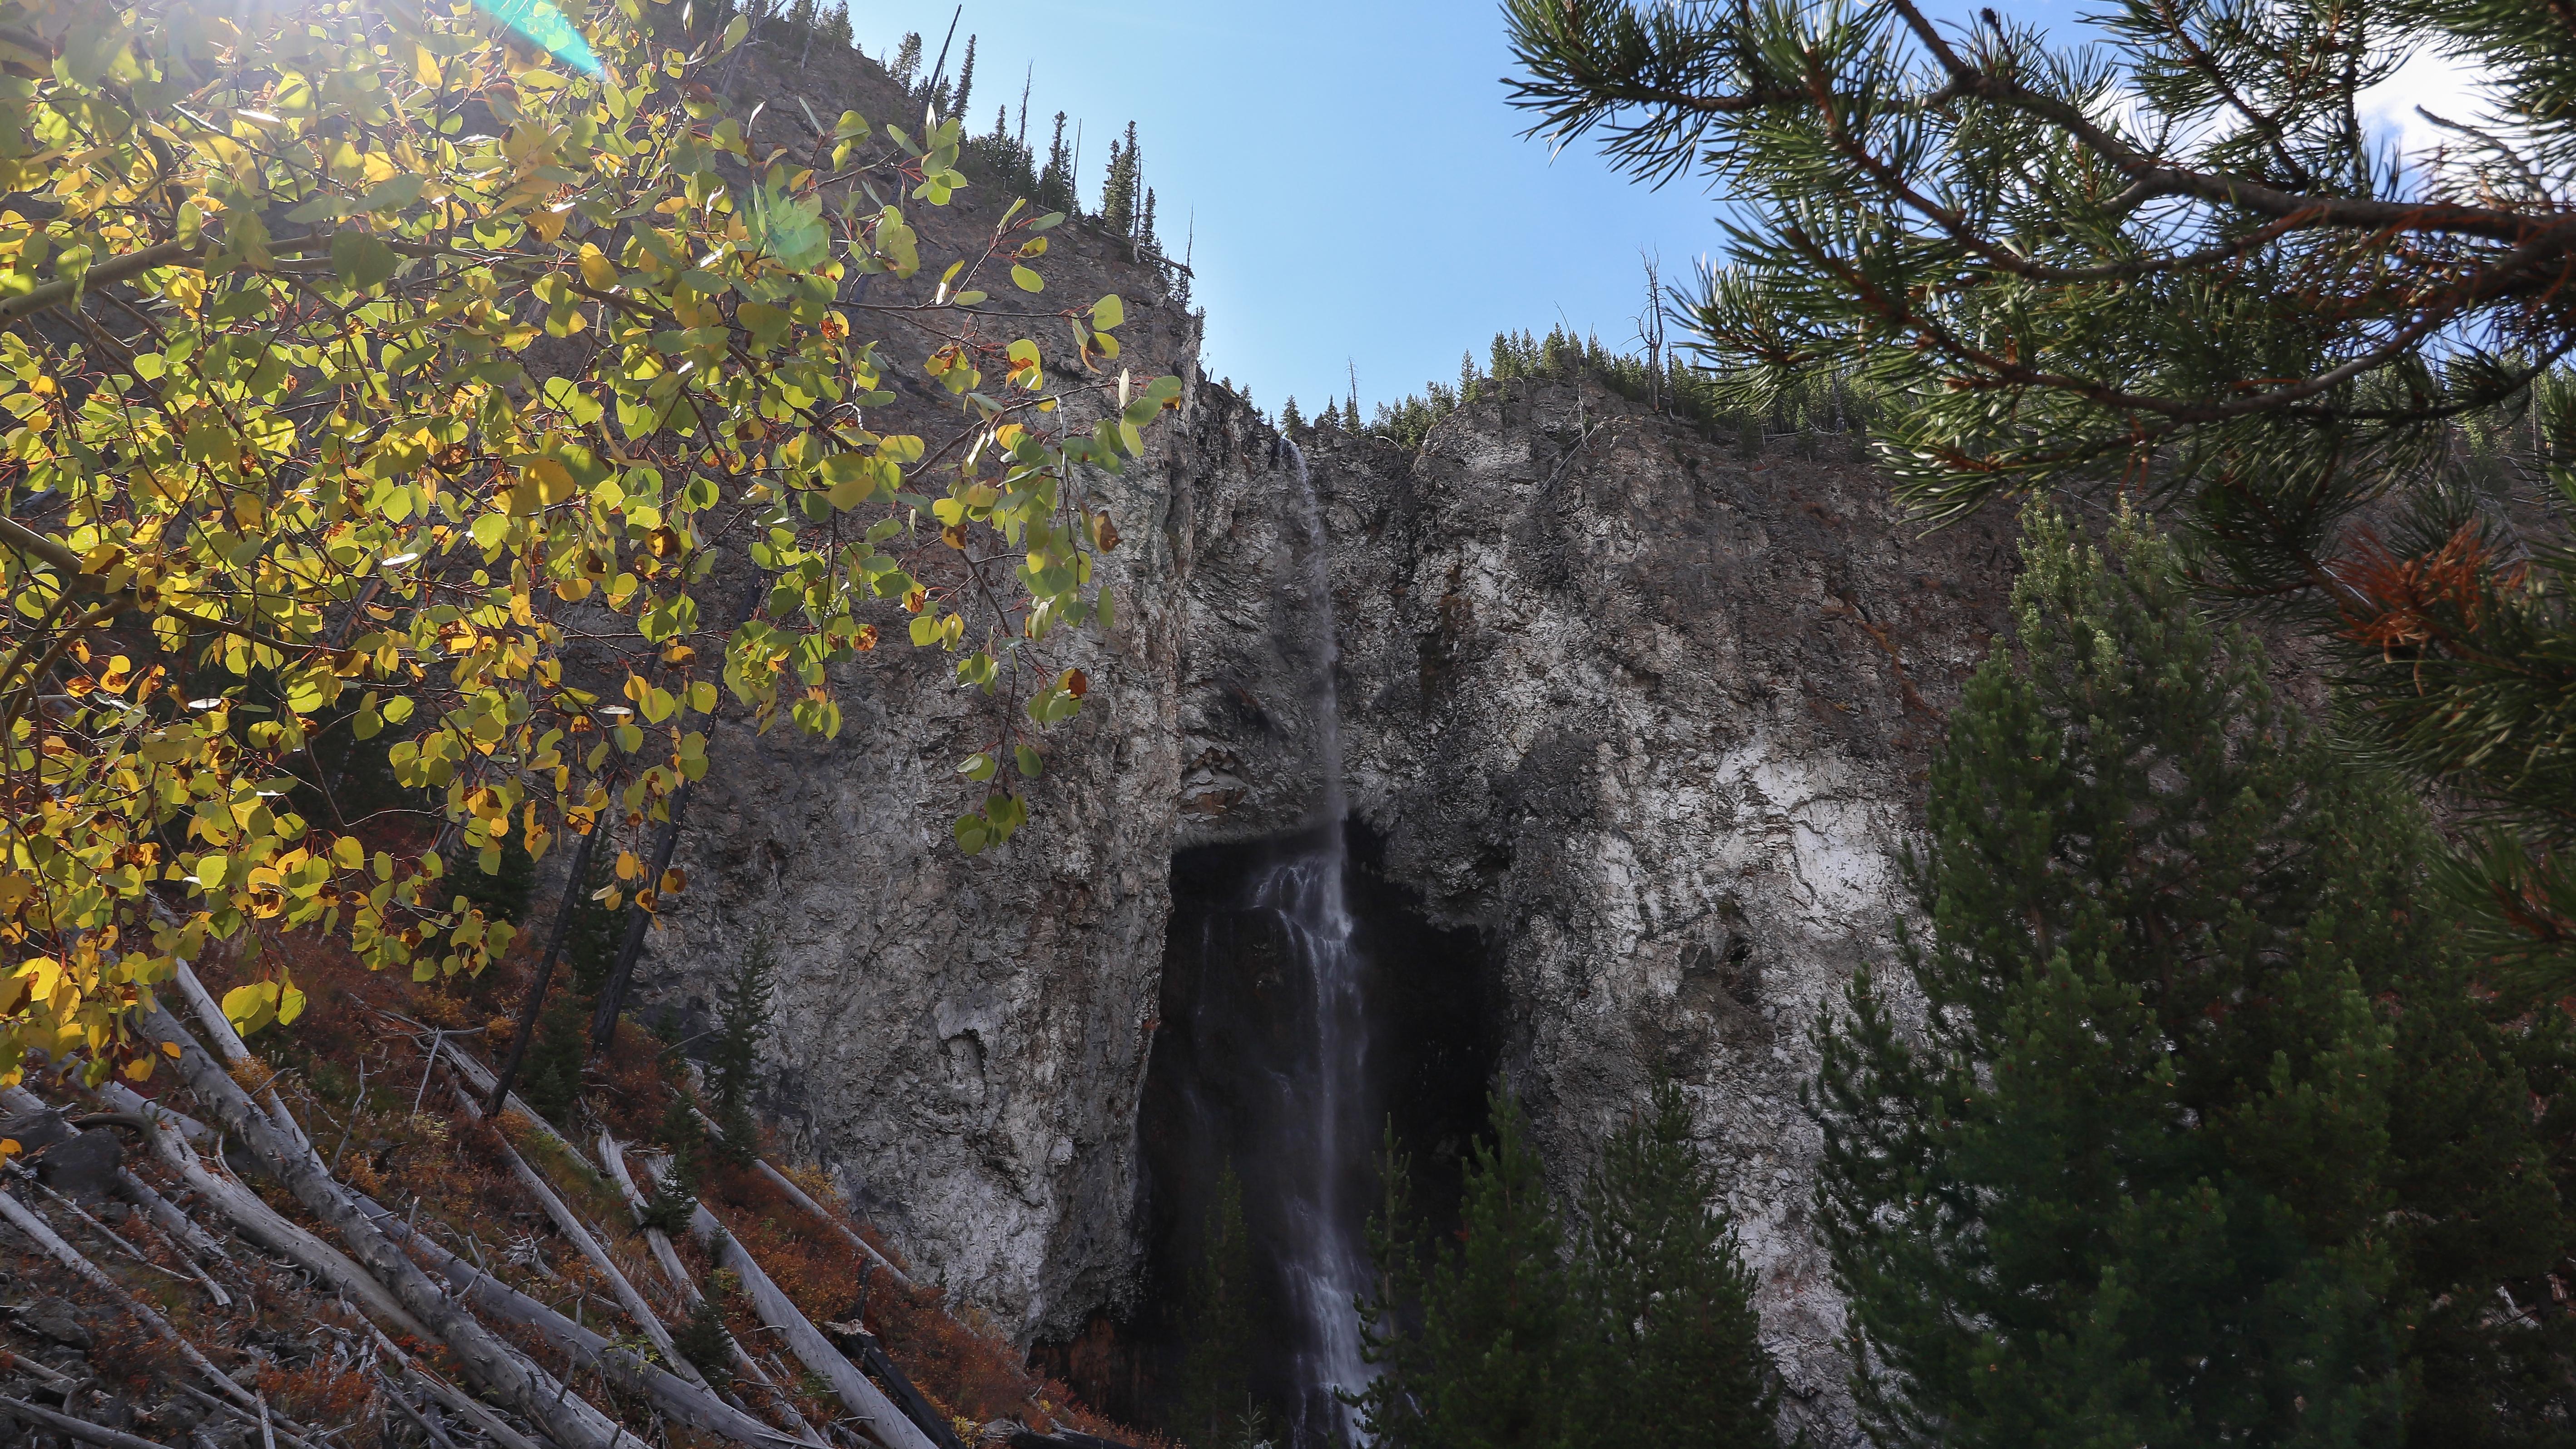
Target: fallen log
x,y
174,1224
1062,1439
674,1397
278,1426
481,1078
488,1361
411,1411
219,1030
875,1412
667,1258
613,1157
73,1428
26,1220
830,1219
125,1099
164,1213
485,1422
270,1230
194,1274
579,1233
872,1357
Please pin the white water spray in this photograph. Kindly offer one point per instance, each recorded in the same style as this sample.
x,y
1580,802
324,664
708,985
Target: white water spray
x,y
1324,1255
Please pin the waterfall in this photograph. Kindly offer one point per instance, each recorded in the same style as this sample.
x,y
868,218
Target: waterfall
x,y
1309,1005
1327,700
1323,1252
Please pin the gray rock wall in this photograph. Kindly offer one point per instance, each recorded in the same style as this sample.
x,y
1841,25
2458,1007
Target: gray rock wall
x,y
1652,715
1647,711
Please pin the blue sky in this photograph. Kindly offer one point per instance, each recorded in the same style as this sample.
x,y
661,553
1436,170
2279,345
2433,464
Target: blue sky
x,y
1358,187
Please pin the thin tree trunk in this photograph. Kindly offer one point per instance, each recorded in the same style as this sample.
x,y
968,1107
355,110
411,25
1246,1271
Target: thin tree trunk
x,y
612,996
536,1001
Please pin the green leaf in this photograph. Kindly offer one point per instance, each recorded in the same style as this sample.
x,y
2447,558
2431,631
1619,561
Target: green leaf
x,y
394,193
1028,762
1108,312
251,1007
1027,280
361,260
766,324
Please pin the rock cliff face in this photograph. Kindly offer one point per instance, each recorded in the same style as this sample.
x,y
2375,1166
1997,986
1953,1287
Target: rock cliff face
x,y
1647,712
1645,707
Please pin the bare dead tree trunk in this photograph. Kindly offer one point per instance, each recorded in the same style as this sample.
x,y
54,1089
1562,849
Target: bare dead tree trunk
x,y
489,1362
579,1234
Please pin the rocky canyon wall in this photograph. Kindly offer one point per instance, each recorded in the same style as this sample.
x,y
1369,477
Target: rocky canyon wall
x,y
1649,713
1644,707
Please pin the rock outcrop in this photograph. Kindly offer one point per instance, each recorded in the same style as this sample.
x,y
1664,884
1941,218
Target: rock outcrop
x,y
1646,707
1649,713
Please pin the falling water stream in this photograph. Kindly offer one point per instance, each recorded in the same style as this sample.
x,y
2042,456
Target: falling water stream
x,y
1323,1253
1308,1007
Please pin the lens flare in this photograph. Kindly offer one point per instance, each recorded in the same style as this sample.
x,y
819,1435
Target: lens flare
x,y
541,24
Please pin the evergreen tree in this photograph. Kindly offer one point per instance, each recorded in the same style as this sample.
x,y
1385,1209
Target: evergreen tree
x,y
733,1060
674,1201
1484,1345
1679,1360
1212,1392
1291,420
1145,227
704,1341
597,930
907,60
2322,359
836,27
551,1080
965,82
1118,198
1055,181
2201,1139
